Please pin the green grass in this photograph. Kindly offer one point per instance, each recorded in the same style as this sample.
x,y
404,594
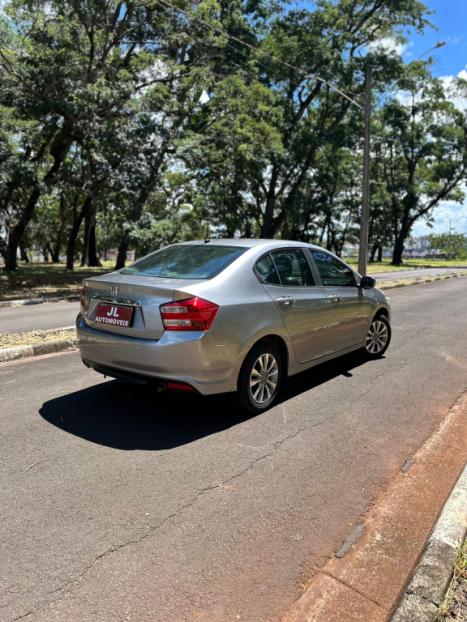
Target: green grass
x,y
385,265
36,337
47,280
454,606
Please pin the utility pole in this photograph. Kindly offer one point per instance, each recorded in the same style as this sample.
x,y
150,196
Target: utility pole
x,y
365,213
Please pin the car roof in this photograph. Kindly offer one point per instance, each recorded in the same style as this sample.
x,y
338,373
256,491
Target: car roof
x,y
251,242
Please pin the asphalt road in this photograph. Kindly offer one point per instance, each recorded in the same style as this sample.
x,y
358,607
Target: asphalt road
x,y
59,314
38,317
120,504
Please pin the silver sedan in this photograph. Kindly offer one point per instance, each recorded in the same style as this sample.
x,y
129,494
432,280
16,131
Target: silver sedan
x,y
226,315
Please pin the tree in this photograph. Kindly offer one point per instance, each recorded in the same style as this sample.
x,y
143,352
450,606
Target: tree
x,y
106,105
67,68
423,152
452,245
325,42
230,142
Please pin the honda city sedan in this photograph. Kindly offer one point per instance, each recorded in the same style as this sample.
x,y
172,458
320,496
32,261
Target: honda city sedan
x,y
219,316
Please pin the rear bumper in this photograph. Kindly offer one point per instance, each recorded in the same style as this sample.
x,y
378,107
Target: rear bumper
x,y
189,357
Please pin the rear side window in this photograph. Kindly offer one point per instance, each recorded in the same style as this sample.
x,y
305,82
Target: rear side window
x,y
190,261
293,268
267,271
332,271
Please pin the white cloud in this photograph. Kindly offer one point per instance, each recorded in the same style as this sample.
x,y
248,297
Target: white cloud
x,y
457,95
391,45
454,39
445,215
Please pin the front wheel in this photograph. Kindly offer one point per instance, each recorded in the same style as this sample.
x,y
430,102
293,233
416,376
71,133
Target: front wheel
x,y
260,378
378,337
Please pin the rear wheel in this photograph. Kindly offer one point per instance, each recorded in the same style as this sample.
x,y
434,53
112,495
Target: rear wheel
x,y
378,337
260,378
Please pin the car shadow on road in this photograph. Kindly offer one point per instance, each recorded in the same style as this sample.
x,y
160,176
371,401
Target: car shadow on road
x,y
126,416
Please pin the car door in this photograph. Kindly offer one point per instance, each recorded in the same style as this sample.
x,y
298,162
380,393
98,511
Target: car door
x,y
287,276
351,308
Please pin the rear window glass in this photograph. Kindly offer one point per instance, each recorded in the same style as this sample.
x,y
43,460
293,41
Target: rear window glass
x,y
267,271
189,261
293,268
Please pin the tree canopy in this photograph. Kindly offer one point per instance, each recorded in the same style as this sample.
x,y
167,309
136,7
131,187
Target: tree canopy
x,y
139,123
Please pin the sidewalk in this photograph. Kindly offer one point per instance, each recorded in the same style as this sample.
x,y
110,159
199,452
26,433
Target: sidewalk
x,y
366,578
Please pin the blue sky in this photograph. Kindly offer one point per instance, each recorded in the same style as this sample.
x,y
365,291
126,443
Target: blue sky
x,y
450,19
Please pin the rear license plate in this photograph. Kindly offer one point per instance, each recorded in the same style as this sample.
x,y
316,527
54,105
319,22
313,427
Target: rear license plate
x,y
114,315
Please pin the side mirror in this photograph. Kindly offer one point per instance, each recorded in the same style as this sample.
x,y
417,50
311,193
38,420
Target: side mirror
x,y
367,282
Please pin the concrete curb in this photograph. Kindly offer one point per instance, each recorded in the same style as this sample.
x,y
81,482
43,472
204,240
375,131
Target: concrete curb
x,y
427,587
38,301
21,352
420,281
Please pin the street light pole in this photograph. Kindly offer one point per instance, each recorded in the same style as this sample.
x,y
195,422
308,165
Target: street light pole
x,y
365,213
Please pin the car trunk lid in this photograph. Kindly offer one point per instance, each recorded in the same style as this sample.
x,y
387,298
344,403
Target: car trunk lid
x,y
144,295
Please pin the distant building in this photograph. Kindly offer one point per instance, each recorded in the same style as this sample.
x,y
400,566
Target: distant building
x,y
417,247
112,255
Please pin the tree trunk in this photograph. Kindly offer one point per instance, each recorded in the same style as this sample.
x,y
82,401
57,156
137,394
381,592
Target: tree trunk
x,y
58,240
23,253
70,249
398,249
380,253
55,250
71,246
89,256
85,248
18,230
122,250
45,254
3,248
93,257
267,228
58,150
50,252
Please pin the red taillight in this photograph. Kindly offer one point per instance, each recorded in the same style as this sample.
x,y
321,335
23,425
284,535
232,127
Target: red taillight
x,y
178,386
82,297
191,314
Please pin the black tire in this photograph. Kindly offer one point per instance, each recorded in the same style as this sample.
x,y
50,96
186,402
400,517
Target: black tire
x,y
375,348
245,394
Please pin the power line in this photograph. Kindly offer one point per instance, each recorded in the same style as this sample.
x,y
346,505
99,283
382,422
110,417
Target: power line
x,y
256,49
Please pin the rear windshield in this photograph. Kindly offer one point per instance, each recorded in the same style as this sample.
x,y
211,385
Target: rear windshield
x,y
201,261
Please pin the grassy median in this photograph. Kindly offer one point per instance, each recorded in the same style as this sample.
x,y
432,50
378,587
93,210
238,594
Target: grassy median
x,y
385,265
36,337
51,280
45,280
454,606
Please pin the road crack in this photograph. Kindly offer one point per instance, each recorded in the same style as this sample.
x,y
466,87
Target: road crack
x,y
62,590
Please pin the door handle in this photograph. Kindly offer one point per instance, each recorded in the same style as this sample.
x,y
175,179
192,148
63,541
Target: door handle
x,y
333,298
285,300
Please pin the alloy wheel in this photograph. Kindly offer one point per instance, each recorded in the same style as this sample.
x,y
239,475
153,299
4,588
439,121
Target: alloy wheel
x,y
377,337
264,378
